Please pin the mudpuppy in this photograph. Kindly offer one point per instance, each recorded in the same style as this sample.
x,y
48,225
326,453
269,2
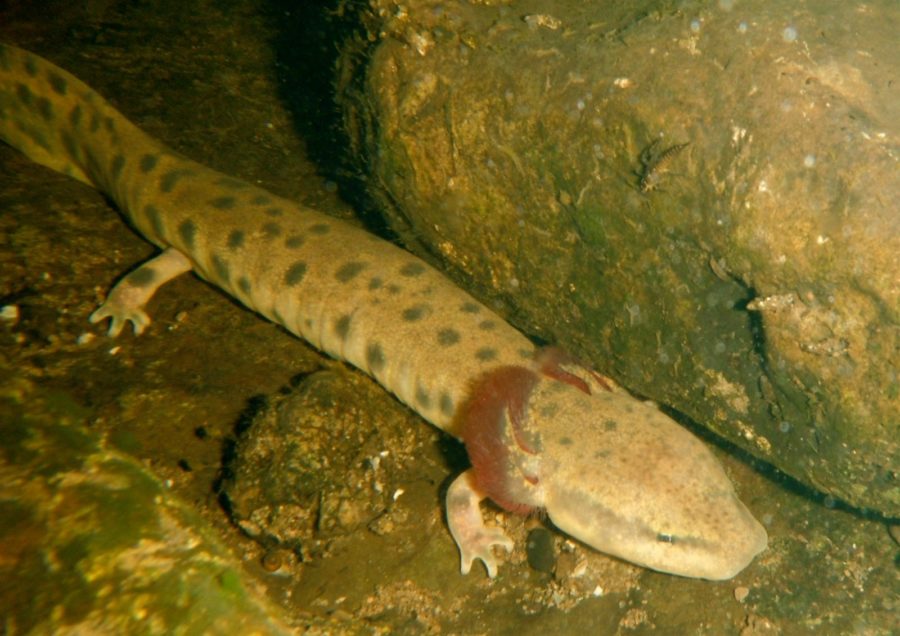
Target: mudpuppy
x,y
543,432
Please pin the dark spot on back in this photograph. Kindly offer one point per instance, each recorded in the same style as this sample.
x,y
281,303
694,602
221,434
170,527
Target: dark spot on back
x,y
45,108
486,353
320,228
244,285
470,308
447,337
446,404
187,231
148,163
342,326
95,122
24,94
110,124
69,144
565,441
118,163
349,271
295,273
271,230
375,357
610,425
416,312
413,269
422,397
223,203
375,283
91,161
487,325
38,138
75,116
155,218
394,289
168,180
221,268
57,83
261,199
274,211
294,241
235,239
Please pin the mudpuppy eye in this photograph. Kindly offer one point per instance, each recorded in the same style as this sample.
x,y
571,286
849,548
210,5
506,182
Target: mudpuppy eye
x,y
663,537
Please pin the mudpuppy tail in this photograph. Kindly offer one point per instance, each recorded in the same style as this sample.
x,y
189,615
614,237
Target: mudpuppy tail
x,y
60,122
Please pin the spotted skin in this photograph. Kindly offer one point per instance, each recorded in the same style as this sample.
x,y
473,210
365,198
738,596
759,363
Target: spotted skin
x,y
542,432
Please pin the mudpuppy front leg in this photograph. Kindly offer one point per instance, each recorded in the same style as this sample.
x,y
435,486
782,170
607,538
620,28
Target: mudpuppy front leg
x,y
475,540
127,299
504,451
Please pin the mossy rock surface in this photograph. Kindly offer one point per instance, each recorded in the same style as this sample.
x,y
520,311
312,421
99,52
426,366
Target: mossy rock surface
x,y
93,542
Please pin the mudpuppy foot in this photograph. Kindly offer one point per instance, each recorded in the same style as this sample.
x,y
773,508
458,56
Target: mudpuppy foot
x,y
127,299
474,539
120,314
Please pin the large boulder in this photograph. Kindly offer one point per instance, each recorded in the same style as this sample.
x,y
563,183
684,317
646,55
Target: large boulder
x,y
700,199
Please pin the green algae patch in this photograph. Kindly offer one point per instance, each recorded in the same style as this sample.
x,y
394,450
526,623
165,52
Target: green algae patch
x,y
91,540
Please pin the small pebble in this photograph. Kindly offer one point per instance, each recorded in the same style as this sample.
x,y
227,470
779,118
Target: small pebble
x,y
10,313
741,593
85,338
272,561
540,550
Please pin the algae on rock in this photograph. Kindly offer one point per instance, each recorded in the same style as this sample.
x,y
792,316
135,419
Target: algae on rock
x,y
93,541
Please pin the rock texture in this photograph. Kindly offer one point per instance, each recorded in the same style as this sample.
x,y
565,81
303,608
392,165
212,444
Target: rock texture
x,y
748,279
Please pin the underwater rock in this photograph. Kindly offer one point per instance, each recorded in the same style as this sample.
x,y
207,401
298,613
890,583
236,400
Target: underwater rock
x,y
92,542
317,462
701,200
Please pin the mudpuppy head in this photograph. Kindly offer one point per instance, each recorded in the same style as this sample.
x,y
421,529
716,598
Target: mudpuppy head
x,y
624,478
609,470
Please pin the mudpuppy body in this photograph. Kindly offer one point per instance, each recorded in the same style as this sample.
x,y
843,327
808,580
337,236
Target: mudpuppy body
x,y
542,431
